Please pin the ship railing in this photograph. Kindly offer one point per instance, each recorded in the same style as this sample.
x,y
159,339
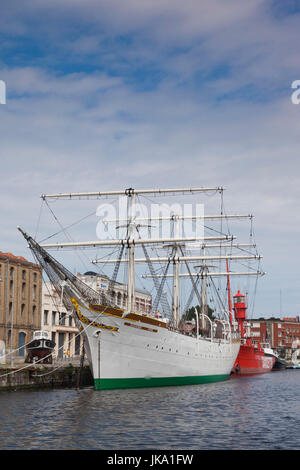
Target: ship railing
x,y
224,333
219,330
204,333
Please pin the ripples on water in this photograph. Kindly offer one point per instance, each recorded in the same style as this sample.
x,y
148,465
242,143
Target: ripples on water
x,y
259,412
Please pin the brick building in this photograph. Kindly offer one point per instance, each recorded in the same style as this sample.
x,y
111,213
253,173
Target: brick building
x,y
20,302
282,334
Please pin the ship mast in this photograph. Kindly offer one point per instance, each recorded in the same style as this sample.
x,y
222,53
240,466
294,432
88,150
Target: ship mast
x,y
176,304
131,233
229,293
203,292
176,242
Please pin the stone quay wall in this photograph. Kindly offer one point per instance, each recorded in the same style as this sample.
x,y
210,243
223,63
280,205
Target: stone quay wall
x,y
42,376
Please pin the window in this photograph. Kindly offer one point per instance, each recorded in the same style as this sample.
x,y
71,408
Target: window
x,y
255,333
33,314
238,299
23,289
22,310
23,274
46,317
22,337
34,292
77,345
53,318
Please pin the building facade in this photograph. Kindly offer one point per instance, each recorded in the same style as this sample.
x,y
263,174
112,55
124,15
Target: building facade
x,y
60,325
281,334
20,303
99,282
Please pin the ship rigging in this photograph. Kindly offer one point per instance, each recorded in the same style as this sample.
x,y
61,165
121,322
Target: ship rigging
x,y
109,335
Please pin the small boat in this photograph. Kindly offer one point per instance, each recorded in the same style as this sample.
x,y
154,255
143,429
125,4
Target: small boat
x,y
295,363
40,348
279,363
252,359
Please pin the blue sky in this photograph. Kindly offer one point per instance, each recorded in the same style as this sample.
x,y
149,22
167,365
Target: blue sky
x,y
107,94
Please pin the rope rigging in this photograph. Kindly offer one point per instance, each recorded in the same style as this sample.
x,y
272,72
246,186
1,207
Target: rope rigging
x,y
68,285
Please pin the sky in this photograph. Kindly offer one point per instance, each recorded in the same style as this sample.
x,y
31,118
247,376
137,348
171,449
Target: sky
x,y
107,94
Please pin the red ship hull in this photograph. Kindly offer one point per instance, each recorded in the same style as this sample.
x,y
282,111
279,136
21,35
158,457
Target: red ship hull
x,y
252,361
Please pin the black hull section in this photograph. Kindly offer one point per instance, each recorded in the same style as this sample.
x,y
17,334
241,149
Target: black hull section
x,y
41,344
41,350
280,364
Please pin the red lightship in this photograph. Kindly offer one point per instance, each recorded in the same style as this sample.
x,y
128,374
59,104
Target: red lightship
x,y
251,358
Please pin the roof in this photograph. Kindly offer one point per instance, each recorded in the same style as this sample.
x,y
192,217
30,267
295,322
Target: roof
x,y
16,258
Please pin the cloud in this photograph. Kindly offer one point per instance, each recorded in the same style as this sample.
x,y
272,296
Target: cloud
x,y
102,95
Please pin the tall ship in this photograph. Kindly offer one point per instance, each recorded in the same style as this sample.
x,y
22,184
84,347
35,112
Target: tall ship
x,y
253,358
129,349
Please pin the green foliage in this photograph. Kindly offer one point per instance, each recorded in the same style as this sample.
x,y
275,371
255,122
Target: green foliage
x,y
190,313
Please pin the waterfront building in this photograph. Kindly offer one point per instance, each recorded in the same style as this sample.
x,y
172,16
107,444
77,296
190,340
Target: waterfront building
x,y
282,334
100,282
60,325
20,303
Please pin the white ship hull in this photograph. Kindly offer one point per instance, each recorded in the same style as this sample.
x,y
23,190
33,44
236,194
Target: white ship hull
x,y
139,351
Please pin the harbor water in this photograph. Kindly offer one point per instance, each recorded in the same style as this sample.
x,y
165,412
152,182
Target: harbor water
x,y
259,412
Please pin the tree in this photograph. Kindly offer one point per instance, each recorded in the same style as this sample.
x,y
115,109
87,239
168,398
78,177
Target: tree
x,y
190,313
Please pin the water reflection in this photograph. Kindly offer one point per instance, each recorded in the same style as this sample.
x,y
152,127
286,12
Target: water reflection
x,y
242,413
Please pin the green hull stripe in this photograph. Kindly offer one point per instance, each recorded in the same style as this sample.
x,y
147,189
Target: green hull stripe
x,y
109,384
